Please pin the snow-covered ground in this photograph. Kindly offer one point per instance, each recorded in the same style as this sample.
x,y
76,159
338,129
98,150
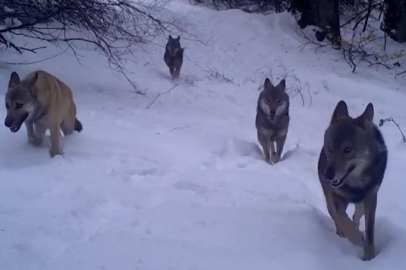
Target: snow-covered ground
x,y
182,185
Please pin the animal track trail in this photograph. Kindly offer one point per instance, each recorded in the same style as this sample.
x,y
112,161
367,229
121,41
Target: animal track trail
x,y
187,186
136,170
235,153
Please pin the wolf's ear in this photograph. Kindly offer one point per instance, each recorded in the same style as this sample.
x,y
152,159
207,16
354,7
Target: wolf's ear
x,y
340,112
282,85
367,116
33,80
267,84
178,38
31,83
170,37
14,80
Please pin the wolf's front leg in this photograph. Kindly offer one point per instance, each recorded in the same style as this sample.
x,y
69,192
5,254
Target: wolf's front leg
x,y
55,147
370,210
274,152
32,138
358,213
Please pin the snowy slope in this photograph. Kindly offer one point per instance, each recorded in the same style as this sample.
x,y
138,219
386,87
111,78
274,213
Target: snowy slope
x,y
182,185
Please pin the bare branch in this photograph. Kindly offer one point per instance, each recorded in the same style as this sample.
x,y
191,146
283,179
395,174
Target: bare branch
x,y
176,128
36,62
214,74
113,27
159,95
401,73
295,85
390,119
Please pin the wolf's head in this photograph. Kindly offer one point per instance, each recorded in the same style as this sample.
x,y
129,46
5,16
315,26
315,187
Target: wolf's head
x,y
273,100
173,46
20,100
348,144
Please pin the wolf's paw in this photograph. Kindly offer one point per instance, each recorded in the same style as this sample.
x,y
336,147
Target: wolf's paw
x,y
267,158
356,221
35,141
340,233
54,152
357,238
275,158
369,253
269,161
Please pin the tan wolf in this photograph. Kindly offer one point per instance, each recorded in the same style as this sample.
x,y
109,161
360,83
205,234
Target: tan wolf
x,y
42,102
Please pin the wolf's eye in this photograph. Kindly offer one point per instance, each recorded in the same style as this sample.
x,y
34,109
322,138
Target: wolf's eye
x,y
329,149
19,105
279,101
267,101
347,150
7,106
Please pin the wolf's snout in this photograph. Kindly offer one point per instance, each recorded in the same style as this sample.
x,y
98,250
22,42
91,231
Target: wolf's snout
x,y
272,112
329,173
14,128
8,122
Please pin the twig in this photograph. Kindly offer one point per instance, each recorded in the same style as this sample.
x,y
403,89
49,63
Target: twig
x,y
390,119
249,80
113,27
367,16
298,89
290,77
360,13
401,73
176,128
159,95
39,61
216,75
358,49
281,64
142,92
310,95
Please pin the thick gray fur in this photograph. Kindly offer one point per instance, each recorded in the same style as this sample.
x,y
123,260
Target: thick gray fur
x,y
351,168
173,56
272,120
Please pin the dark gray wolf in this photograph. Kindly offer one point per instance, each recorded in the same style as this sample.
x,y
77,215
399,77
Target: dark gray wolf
x,y
42,102
351,168
272,120
173,56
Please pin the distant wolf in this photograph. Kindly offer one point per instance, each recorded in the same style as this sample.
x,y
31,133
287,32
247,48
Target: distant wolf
x,y
272,120
173,56
351,168
42,102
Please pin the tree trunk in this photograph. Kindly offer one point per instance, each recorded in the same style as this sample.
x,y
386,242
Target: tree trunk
x,y
395,19
322,13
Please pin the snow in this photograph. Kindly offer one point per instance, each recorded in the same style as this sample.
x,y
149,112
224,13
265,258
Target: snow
x,y
182,185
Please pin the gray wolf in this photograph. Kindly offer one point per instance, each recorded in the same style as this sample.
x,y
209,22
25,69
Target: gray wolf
x,y
173,56
42,102
272,120
351,168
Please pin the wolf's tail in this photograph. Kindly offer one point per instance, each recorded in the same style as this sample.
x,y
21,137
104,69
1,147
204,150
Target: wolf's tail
x,y
78,125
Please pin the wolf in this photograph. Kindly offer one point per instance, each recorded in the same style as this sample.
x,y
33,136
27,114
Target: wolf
x,y
42,102
272,119
173,56
351,168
